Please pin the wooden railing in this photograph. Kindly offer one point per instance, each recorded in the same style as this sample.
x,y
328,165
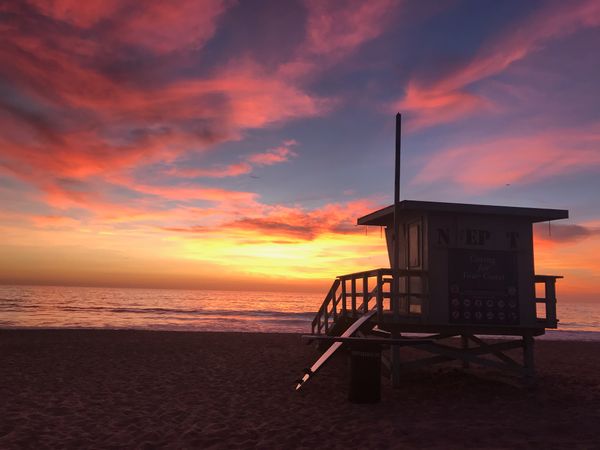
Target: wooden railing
x,y
410,287
548,319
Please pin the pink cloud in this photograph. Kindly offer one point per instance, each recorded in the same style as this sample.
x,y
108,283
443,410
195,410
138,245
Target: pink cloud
x,y
447,99
526,159
336,29
74,121
232,170
259,97
163,27
155,25
431,106
79,132
91,108
168,117
194,192
81,14
274,156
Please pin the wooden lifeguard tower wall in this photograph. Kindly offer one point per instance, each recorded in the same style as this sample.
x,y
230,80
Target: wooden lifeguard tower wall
x,y
467,266
456,270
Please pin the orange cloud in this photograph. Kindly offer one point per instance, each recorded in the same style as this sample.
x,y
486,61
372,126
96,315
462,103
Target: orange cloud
x,y
286,242
292,223
54,221
570,251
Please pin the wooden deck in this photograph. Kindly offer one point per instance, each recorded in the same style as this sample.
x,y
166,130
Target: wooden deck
x,y
395,302
399,298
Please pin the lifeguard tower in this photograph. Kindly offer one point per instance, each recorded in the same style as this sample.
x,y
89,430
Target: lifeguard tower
x,y
456,271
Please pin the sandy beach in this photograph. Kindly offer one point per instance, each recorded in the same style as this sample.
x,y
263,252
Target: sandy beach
x,y
147,389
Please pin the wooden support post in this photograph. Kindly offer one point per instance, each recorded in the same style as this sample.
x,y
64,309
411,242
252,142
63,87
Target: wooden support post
x,y
465,346
344,306
344,300
396,367
379,298
550,289
528,361
365,294
353,293
395,296
406,303
334,304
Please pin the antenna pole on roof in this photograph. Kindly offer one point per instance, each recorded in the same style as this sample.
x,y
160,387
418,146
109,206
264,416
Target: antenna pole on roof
x,y
396,234
397,173
395,288
396,241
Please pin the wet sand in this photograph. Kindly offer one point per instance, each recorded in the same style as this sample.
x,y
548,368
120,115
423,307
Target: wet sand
x,y
147,389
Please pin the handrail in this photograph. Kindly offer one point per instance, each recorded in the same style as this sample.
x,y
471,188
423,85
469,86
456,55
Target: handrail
x,y
316,323
375,272
549,299
358,284
355,286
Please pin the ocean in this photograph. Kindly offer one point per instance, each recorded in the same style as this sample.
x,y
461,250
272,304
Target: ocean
x,y
195,310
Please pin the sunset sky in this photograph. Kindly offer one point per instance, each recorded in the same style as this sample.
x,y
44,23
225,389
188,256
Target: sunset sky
x,y
232,145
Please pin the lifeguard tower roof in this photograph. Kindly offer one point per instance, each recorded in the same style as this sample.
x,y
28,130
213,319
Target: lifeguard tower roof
x,y
385,216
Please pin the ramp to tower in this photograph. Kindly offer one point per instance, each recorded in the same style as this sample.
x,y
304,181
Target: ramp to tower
x,y
309,373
